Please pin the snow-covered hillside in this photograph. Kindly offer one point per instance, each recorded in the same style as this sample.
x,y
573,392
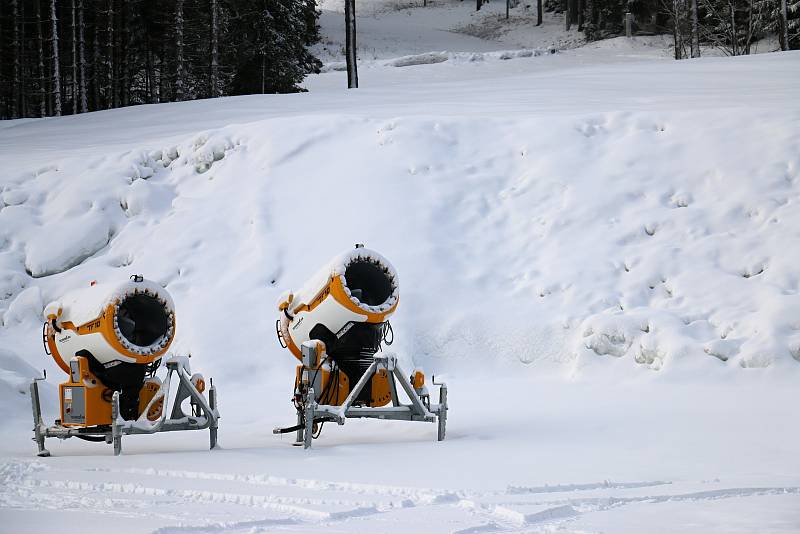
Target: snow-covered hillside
x,y
654,229
601,259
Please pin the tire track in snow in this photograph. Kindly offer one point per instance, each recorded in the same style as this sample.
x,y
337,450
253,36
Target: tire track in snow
x,y
500,518
278,504
415,496
22,489
523,490
259,524
251,526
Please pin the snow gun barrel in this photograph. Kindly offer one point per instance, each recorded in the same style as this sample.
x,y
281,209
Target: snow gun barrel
x,y
344,309
335,325
128,323
109,339
343,304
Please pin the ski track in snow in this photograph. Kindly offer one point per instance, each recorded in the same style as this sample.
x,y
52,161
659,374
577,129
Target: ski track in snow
x,y
32,485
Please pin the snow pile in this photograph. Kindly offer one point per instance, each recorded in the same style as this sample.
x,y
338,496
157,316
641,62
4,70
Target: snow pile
x,y
432,58
648,236
15,376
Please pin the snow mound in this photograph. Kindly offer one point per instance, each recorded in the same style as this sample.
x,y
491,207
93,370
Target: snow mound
x,y
432,58
15,377
659,237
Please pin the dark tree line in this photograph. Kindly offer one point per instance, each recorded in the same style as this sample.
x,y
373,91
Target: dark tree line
x,y
73,56
730,25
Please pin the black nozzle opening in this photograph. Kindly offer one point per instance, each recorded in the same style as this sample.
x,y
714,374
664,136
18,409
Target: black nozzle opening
x,y
368,282
142,319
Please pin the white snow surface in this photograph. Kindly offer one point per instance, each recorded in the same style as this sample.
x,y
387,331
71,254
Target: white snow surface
x,y
599,251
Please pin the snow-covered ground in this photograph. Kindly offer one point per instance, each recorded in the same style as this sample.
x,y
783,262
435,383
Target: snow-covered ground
x,y
597,249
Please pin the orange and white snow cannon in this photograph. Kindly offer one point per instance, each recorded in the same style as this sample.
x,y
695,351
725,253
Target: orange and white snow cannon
x,y
110,339
336,325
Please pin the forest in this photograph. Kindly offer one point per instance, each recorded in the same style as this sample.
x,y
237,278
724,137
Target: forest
x,y
62,57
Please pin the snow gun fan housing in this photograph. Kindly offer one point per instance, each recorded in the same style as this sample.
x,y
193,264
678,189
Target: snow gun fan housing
x,y
335,326
346,306
120,330
110,340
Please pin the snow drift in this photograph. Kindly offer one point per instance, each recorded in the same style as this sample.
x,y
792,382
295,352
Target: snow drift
x,y
656,237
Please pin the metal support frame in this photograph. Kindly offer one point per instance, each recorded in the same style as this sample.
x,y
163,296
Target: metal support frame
x,y
39,428
208,415
311,405
417,410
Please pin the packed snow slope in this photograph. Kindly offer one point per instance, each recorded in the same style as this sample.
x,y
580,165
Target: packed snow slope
x,y
661,229
630,232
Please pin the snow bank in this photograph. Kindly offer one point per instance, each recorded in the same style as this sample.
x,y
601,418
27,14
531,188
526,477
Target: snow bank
x,y
432,58
663,238
15,376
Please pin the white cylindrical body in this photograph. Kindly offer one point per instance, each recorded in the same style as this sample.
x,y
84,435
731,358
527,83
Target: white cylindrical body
x,y
128,322
359,286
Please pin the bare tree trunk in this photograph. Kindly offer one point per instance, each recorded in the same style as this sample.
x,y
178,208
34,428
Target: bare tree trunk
x,y
695,30
125,55
163,78
179,74
74,64
97,104
82,58
573,11
590,18
539,10
56,61
676,29
26,69
115,52
148,85
109,60
214,89
567,17
40,51
350,43
734,37
749,37
784,26
16,86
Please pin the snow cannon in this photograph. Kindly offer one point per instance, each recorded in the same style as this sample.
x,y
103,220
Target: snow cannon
x,y
110,339
119,330
336,325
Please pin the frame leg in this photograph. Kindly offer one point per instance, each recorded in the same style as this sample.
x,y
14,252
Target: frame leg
x,y
442,412
300,431
116,435
214,425
309,430
416,402
37,420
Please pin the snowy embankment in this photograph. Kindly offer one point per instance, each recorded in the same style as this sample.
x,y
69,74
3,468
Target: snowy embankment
x,y
650,234
636,224
431,58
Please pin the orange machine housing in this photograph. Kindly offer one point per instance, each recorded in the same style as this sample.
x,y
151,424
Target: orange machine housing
x,y
334,390
86,401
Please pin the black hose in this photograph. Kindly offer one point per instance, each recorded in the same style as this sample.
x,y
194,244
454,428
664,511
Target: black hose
x,y
96,439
